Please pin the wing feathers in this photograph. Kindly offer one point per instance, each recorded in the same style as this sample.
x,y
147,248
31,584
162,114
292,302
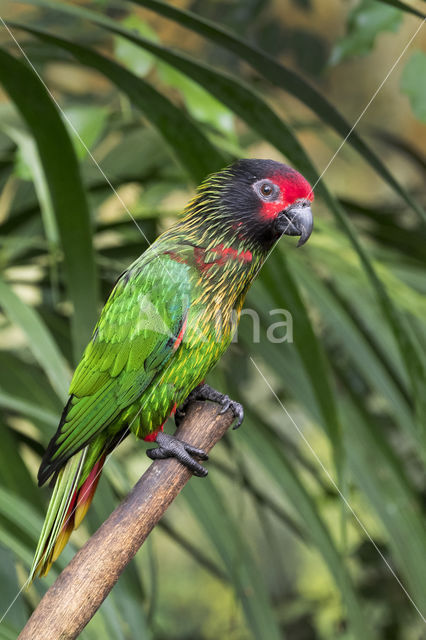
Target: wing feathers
x,y
133,341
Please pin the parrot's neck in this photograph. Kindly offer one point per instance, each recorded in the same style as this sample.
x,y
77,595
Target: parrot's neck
x,y
226,262
218,245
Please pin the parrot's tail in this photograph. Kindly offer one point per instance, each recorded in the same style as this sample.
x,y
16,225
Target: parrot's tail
x,y
73,492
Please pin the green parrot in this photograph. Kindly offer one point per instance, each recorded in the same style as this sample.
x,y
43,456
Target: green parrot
x,y
170,317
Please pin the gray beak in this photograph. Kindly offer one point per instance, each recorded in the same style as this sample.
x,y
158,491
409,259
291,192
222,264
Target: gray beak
x,y
297,220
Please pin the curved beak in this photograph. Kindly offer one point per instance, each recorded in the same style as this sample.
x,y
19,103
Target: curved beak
x,y
297,220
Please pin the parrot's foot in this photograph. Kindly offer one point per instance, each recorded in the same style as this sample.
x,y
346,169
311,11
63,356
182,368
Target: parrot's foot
x,y
205,392
171,447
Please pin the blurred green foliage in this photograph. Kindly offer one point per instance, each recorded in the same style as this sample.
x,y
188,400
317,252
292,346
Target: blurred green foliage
x,y
265,548
413,83
366,21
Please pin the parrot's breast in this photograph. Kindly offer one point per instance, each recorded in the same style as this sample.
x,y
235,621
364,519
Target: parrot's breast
x,y
207,336
219,281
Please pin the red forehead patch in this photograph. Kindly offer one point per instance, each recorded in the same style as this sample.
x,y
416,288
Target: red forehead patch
x,y
293,186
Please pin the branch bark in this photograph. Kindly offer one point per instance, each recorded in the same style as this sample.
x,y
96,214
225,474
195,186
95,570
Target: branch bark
x,y
84,584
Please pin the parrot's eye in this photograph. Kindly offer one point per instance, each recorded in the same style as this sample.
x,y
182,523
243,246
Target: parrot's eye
x,y
266,190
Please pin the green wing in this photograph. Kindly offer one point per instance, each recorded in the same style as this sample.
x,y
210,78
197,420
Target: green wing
x,y
132,342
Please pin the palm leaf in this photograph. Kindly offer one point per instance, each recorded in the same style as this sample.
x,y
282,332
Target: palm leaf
x,y
66,191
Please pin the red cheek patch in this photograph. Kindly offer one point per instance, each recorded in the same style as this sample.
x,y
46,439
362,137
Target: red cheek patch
x,y
270,210
293,187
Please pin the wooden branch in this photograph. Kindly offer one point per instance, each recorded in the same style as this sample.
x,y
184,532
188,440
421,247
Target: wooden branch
x,y
83,585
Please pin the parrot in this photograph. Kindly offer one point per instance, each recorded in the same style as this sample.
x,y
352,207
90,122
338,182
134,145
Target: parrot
x,y
169,318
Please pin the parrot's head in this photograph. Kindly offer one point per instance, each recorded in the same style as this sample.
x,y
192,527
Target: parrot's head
x,y
264,200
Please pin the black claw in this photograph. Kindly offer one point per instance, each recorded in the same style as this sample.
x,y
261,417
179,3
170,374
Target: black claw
x,y
238,411
225,405
193,451
171,447
197,469
205,392
236,408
